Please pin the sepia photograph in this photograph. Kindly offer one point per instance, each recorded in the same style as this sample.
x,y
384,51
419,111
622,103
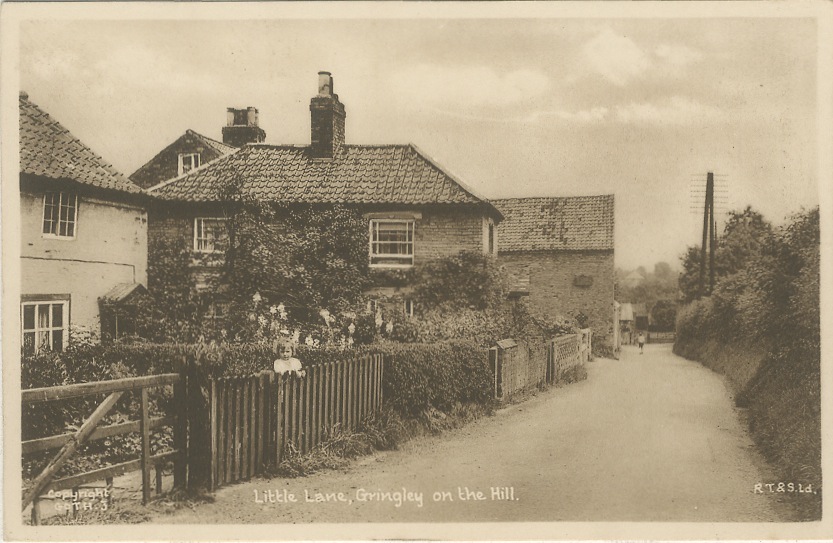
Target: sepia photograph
x,y
429,270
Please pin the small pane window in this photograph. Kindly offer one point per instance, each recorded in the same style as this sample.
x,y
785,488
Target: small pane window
x,y
409,308
44,326
188,162
210,235
391,243
60,211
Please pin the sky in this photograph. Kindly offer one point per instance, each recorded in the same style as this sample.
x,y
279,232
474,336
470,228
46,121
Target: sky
x,y
638,108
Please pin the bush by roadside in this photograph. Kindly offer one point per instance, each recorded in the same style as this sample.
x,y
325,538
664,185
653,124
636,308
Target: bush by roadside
x,y
760,328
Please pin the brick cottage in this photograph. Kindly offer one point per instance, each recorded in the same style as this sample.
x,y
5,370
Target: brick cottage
x,y
416,211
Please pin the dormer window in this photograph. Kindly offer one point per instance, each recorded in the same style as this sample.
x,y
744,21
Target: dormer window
x,y
60,211
188,162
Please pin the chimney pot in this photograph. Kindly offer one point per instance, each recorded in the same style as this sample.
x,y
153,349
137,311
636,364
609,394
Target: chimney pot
x,y
241,127
325,84
24,95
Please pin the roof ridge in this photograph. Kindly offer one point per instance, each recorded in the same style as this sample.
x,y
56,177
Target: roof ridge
x,y
466,188
581,196
203,136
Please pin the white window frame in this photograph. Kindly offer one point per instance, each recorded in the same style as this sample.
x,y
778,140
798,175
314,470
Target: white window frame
x,y
372,306
195,162
400,260
50,328
199,228
408,307
63,199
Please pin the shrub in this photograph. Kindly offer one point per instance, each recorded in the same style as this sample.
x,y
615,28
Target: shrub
x,y
419,377
466,280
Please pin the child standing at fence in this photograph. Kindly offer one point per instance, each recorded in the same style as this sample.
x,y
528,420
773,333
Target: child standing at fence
x,y
286,363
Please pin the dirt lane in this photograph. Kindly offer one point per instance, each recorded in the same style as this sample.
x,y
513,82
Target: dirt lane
x,y
648,437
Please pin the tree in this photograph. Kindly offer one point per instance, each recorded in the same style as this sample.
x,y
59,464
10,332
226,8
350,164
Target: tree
x,y
745,236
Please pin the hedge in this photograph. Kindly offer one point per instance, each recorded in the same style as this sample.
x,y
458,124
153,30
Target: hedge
x,y
419,377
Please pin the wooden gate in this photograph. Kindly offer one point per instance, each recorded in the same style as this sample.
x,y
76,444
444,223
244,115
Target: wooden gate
x,y
90,431
254,420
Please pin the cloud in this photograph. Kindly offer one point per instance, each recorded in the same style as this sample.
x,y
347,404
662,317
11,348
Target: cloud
x,y
615,57
49,64
468,85
677,55
148,69
592,115
677,110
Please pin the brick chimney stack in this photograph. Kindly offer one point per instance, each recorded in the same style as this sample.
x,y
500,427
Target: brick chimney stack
x,y
241,127
327,119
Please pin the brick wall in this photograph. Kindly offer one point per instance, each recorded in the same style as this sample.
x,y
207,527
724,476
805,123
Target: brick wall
x,y
445,232
553,290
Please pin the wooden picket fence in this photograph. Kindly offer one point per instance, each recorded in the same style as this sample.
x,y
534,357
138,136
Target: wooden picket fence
x,y
255,420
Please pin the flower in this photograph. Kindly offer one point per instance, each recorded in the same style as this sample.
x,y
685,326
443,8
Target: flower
x,y
350,341
326,316
378,319
261,320
296,336
309,341
273,309
256,298
252,317
351,328
389,327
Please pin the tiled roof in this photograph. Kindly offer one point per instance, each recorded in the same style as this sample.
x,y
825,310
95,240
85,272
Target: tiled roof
x,y
363,174
122,291
47,149
218,146
578,223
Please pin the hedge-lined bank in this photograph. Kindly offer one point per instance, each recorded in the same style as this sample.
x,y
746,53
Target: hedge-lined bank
x,y
760,328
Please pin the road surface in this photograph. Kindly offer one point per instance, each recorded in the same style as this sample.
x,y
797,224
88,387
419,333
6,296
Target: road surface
x,y
649,437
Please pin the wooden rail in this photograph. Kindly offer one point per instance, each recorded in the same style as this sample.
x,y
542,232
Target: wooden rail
x,y
255,421
90,431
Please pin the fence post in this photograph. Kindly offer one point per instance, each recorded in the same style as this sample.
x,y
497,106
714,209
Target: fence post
x,y
144,428
180,405
212,475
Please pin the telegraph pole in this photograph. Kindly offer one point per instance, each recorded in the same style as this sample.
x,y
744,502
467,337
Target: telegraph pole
x,y
709,237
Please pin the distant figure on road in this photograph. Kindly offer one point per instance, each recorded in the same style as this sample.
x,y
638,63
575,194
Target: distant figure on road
x,y
641,341
286,363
